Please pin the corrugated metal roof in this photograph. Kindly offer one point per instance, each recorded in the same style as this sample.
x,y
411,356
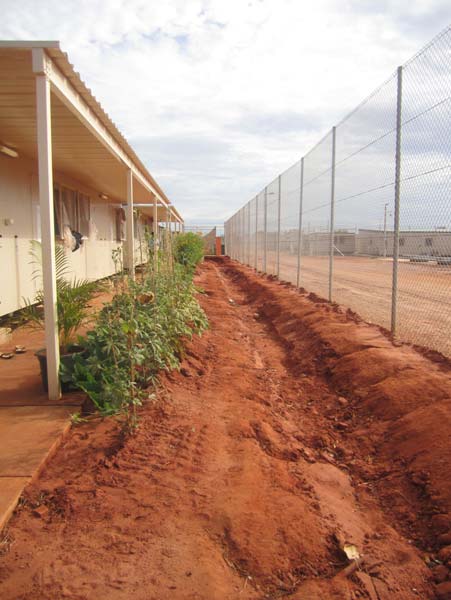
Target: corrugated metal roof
x,y
61,60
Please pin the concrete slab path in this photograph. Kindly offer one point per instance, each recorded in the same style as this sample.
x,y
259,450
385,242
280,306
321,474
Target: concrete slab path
x,y
31,427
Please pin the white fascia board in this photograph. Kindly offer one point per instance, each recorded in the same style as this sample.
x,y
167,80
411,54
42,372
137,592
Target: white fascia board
x,y
172,210
63,88
27,44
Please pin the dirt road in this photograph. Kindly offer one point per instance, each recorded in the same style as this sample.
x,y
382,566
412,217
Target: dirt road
x,y
249,474
364,285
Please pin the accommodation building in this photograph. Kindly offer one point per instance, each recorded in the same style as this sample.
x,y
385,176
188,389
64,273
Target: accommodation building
x,y
67,175
413,244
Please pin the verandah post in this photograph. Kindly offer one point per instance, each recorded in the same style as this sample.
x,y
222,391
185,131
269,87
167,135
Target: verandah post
x,y
130,226
45,168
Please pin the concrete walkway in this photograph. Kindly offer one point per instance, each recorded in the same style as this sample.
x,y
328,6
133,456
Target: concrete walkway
x,y
31,427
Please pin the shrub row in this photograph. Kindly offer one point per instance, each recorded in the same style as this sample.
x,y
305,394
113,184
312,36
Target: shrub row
x,y
138,334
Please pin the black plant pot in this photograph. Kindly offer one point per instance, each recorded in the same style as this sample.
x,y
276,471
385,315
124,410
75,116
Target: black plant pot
x,y
66,359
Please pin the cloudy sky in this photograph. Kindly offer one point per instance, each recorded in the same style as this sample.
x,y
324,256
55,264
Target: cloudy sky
x,y
219,96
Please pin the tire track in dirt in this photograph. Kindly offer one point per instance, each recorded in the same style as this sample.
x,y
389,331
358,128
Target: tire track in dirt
x,y
240,484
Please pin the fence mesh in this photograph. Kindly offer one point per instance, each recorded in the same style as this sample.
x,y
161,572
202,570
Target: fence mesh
x,y
289,222
329,223
364,205
316,215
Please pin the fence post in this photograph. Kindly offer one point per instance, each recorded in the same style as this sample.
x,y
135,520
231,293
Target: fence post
x,y
232,238
301,193
249,234
394,297
243,235
278,227
238,235
256,232
265,236
227,239
332,217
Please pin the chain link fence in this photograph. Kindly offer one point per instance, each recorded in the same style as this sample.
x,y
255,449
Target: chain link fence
x,y
364,218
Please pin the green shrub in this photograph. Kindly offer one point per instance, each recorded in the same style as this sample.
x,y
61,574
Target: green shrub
x,y
137,335
73,297
188,250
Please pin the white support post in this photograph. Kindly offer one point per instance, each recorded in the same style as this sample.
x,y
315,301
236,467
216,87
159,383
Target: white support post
x,y
130,226
45,166
166,239
332,218
278,227
156,241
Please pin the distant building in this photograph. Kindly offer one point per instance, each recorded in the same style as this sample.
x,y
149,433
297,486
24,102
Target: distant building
x,y
365,242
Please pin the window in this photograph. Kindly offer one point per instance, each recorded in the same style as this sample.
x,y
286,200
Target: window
x,y
401,241
428,242
57,212
69,208
84,214
120,224
72,208
136,225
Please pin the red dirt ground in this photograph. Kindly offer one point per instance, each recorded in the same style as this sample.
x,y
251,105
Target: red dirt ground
x,y
290,431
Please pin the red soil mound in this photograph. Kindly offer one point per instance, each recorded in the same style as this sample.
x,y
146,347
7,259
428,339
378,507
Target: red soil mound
x,y
275,445
399,402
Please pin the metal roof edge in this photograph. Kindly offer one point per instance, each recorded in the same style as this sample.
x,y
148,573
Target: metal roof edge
x,y
27,44
54,45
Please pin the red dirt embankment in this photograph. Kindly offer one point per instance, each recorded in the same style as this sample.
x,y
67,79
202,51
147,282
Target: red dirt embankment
x,y
290,431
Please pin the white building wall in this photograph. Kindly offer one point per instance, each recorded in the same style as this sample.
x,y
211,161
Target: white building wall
x,y
20,224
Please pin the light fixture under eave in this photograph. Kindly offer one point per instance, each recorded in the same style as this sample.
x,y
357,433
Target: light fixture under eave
x,y
103,196
9,151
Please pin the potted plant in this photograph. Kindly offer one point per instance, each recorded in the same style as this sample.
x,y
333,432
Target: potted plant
x,y
73,297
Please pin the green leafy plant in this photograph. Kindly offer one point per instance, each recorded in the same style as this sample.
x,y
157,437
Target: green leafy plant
x,y
73,297
188,250
138,334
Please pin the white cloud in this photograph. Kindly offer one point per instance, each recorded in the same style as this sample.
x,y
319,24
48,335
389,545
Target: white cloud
x,y
218,97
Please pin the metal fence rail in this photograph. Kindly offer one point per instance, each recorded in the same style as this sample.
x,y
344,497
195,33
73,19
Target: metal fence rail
x,y
364,218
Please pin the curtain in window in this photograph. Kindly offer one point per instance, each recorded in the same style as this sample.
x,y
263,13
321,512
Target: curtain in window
x,y
84,214
57,211
69,208
120,224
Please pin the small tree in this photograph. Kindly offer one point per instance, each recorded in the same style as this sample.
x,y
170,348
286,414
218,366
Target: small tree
x,y
188,250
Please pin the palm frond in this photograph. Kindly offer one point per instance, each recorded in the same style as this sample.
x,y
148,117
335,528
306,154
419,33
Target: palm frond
x,y
62,264
73,295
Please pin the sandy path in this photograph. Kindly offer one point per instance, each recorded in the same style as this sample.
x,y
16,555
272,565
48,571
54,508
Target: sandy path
x,y
231,489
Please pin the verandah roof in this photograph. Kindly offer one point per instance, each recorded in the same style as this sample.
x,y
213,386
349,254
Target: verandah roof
x,y
78,150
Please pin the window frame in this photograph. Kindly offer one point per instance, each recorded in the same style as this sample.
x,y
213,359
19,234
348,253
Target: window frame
x,y
58,190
